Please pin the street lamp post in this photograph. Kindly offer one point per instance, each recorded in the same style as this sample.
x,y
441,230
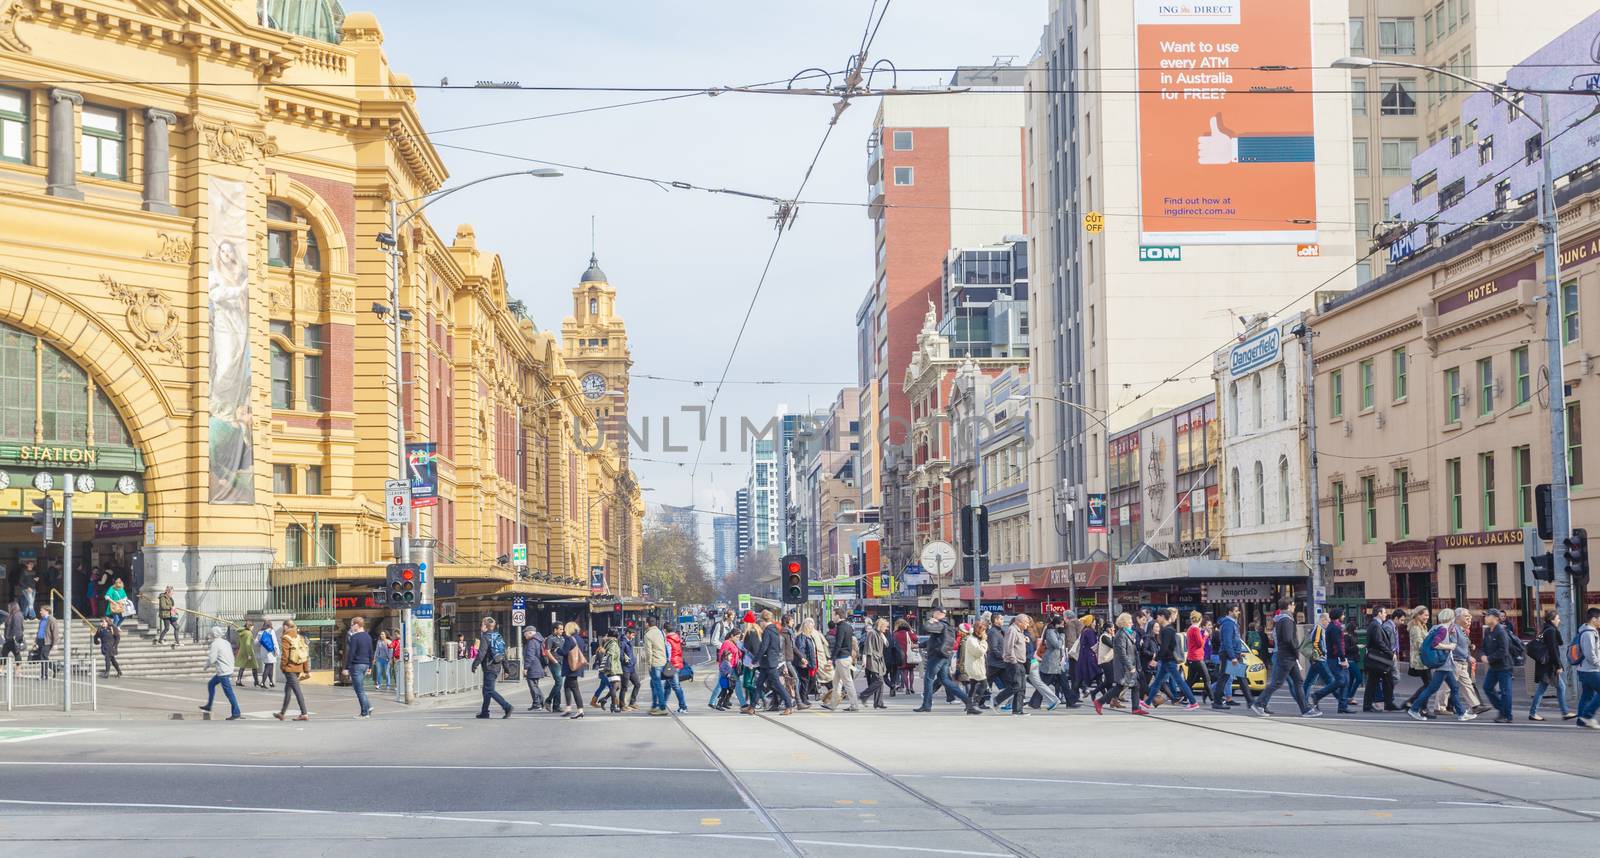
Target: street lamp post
x,y
1560,504
390,242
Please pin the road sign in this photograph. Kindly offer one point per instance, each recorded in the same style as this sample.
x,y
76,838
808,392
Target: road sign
x,y
423,612
397,500
519,555
1094,222
744,602
938,557
519,603
519,617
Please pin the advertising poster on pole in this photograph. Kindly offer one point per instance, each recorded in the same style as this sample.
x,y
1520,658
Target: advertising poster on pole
x,y
422,467
1226,151
1096,516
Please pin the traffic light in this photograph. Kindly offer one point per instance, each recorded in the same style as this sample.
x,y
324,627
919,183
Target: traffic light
x,y
1575,551
794,579
1541,506
400,584
975,530
44,521
1544,567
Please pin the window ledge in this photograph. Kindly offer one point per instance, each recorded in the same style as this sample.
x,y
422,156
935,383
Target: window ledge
x,y
1401,401
1452,427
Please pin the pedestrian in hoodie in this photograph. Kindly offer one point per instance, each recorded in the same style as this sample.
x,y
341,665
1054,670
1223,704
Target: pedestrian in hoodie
x,y
672,678
219,659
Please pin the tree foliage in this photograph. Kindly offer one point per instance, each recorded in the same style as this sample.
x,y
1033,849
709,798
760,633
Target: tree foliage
x,y
673,563
756,574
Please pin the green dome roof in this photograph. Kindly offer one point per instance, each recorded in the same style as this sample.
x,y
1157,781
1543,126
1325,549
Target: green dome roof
x,y
314,19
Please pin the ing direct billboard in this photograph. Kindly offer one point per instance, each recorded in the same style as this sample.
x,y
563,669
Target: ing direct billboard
x,y
1226,153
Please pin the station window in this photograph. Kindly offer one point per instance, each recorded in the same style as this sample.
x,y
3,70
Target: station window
x,y
102,148
13,125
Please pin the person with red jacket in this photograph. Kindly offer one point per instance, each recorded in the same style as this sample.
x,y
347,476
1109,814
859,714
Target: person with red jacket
x,y
1194,656
671,681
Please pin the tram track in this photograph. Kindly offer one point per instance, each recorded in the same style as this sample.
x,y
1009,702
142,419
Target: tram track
x,y
1503,797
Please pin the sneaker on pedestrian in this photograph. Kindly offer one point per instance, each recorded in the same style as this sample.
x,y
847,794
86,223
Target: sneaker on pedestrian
x,y
1191,707
1502,720
1259,710
1467,716
1099,708
1416,716
1313,712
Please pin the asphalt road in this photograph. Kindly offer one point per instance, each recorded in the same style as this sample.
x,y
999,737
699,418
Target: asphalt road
x,y
437,781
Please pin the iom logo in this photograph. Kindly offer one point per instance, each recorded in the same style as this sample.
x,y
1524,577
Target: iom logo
x,y
1255,353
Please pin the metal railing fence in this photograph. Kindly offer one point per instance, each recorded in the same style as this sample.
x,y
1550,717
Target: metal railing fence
x,y
39,684
441,676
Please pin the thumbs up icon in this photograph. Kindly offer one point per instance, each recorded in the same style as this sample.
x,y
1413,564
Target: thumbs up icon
x,y
1217,146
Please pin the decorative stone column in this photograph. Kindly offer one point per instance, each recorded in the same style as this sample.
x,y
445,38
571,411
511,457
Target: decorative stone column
x,y
157,160
63,155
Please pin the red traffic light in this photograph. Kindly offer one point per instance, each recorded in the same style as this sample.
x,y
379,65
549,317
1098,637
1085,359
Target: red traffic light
x,y
794,567
407,574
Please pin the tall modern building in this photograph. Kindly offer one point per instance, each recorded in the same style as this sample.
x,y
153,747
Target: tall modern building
x,y
765,513
1167,220
724,546
984,300
743,523
788,426
943,171
1397,113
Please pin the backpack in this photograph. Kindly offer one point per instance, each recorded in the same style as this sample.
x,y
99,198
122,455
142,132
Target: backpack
x,y
265,639
297,650
1575,649
497,647
1433,657
1517,650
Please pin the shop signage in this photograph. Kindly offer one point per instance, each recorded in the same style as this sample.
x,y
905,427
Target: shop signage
x,y
1417,555
1261,350
1054,607
1160,253
347,602
33,454
1498,285
996,608
110,528
1247,591
1580,250
1097,513
1484,539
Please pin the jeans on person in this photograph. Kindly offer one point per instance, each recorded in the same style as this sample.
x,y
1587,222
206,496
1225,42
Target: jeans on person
x,y
658,692
1167,672
1353,680
535,693
1224,687
1560,683
25,602
630,687
937,672
1497,685
42,655
1589,700
1441,676
227,688
1285,669
771,680
1335,685
358,681
1326,670
671,683
291,685
491,675
384,673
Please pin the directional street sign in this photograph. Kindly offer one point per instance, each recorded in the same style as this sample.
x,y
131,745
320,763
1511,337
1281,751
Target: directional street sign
x,y
423,612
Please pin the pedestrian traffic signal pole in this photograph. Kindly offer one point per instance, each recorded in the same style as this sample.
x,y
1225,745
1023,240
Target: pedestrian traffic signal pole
x,y
66,592
1314,579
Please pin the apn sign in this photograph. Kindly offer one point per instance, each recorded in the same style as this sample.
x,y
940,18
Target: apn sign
x,y
1260,350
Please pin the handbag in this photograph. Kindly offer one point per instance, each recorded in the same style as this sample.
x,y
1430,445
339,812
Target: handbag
x,y
1236,669
576,660
686,673
913,656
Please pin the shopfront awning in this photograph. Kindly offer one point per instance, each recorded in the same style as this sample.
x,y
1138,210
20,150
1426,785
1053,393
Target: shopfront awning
x,y
1201,569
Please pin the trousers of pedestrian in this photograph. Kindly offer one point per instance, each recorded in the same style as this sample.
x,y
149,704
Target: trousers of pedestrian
x,y
1380,688
1041,689
1441,677
42,655
1560,683
226,683
491,675
534,692
1167,673
569,684
1016,686
658,692
291,685
1589,700
1284,670
1334,685
937,672
358,681
671,684
772,681
1497,685
553,701
630,686
168,623
844,677
1224,687
1464,686
1322,669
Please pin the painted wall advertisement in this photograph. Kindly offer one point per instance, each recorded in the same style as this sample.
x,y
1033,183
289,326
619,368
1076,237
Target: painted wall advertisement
x,y
228,288
1226,152
422,465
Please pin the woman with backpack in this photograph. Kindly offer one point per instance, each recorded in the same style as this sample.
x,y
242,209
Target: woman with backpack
x,y
906,639
296,665
574,660
1434,653
266,653
1546,652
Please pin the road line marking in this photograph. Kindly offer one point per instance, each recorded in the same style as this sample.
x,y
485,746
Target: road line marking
x,y
1153,786
768,839
394,766
710,821
49,733
610,828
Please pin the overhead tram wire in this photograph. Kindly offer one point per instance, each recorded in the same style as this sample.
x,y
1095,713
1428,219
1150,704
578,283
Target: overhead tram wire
x,y
786,212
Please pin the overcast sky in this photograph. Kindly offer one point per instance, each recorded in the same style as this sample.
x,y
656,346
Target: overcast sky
x,y
684,263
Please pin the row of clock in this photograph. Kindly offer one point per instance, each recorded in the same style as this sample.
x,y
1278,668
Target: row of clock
x,y
45,481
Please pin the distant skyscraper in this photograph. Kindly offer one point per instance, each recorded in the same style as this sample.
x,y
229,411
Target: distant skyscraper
x,y
743,524
725,545
765,513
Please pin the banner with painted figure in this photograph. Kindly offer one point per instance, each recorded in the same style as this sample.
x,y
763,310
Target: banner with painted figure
x,y
422,467
1226,151
228,288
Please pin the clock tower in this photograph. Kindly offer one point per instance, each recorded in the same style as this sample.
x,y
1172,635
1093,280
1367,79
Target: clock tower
x,y
595,345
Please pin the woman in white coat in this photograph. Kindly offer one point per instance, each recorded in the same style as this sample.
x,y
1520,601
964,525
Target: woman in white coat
x,y
266,646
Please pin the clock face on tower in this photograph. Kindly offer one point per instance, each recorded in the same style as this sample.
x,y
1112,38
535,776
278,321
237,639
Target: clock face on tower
x,y
594,386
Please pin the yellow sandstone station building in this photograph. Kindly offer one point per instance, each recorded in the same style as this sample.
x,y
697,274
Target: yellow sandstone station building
x,y
196,325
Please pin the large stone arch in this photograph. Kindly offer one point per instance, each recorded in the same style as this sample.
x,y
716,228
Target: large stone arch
x,y
126,379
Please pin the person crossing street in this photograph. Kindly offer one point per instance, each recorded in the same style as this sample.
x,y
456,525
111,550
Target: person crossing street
x,y
492,658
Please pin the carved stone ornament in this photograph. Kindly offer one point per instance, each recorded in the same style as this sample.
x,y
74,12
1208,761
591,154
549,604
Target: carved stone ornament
x,y
227,144
171,248
151,319
341,300
12,11
280,296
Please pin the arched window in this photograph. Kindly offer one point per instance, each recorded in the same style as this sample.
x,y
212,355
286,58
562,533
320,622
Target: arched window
x,y
291,241
1283,393
1236,498
594,306
1233,404
1283,488
1261,496
45,397
294,545
1255,394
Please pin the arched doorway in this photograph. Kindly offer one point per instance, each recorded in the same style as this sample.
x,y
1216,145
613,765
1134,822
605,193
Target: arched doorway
x,y
56,423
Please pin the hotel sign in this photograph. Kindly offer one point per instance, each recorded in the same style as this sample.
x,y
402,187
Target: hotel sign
x,y
1486,539
1499,285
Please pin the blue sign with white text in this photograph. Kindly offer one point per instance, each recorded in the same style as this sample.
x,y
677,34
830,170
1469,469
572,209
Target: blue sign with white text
x,y
423,612
1260,350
